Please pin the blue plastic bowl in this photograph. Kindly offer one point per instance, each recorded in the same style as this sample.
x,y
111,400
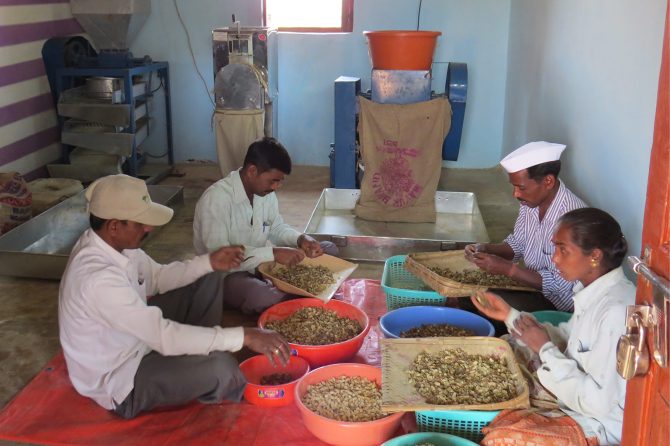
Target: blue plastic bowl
x,y
551,316
429,437
395,322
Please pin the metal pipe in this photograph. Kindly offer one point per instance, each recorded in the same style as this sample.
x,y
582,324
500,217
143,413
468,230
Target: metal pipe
x,y
640,267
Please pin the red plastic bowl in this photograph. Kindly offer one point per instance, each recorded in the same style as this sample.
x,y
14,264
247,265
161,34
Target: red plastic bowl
x,y
402,50
343,433
259,366
318,355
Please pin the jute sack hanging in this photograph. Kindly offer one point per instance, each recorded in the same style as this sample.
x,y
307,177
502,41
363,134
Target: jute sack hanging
x,y
401,146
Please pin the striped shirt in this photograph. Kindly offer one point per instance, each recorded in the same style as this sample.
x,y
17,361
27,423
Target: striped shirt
x,y
531,241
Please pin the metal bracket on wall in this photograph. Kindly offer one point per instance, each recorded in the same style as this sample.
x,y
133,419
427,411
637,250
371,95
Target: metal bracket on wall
x,y
658,314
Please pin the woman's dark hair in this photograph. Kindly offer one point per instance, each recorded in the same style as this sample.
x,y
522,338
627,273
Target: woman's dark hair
x,y
539,171
266,154
592,228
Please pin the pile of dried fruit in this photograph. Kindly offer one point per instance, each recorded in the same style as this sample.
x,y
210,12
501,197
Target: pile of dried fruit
x,y
475,277
312,279
435,330
315,326
452,377
276,379
345,398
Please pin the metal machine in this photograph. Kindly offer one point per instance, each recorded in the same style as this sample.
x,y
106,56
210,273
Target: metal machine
x,y
101,96
390,87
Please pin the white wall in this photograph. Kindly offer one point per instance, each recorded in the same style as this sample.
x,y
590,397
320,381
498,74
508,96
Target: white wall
x,y
586,74
473,32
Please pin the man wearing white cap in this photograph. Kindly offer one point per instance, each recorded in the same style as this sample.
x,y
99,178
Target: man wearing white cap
x,y
131,353
533,171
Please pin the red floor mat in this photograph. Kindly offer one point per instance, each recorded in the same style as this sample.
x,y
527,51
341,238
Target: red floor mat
x,y
49,411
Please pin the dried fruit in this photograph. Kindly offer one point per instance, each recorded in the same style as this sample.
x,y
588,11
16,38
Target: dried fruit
x,y
475,277
276,379
312,279
315,326
345,398
435,330
453,377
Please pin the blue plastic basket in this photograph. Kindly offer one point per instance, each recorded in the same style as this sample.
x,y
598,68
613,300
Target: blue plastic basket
x,y
462,423
428,437
551,316
404,289
396,321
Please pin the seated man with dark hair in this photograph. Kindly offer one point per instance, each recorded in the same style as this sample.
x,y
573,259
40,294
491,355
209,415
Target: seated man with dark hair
x,y
242,209
131,353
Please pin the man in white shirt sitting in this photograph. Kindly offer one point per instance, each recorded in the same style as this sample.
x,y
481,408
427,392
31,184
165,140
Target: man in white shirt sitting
x,y
242,209
131,352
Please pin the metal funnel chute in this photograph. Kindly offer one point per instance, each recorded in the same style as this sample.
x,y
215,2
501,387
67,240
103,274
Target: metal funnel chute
x,y
111,24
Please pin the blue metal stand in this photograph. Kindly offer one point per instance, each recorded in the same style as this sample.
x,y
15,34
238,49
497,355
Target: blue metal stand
x,y
457,91
343,155
65,79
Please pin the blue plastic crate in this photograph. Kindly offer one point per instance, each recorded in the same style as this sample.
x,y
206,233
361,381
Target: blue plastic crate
x,y
404,289
462,423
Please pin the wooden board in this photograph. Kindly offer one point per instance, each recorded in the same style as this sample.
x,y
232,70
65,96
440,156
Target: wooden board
x,y
341,269
398,354
420,263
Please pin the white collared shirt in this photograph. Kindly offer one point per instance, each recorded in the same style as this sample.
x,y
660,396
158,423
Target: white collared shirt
x,y
224,216
106,326
531,241
584,376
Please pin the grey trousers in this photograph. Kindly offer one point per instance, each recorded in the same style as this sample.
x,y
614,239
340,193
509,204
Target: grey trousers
x,y
174,380
252,293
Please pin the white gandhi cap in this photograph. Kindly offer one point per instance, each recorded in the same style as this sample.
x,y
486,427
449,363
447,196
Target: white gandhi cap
x,y
532,154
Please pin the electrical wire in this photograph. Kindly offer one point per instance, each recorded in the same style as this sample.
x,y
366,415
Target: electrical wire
x,y
418,16
188,40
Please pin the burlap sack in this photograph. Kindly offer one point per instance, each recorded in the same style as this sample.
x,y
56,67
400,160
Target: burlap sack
x,y
401,146
15,201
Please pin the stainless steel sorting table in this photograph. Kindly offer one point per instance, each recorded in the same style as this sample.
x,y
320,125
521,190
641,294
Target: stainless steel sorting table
x,y
41,246
459,222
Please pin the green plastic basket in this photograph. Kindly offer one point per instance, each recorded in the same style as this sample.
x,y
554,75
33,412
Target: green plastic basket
x,y
462,423
551,316
404,289
428,437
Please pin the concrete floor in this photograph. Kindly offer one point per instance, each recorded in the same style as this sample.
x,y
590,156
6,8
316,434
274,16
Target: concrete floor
x,y
28,320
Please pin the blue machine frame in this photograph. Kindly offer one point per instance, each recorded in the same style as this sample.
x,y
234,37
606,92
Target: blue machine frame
x,y
343,156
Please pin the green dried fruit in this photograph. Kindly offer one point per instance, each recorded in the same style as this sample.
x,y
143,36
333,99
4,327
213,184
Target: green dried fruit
x,y
345,398
312,279
475,277
435,330
315,326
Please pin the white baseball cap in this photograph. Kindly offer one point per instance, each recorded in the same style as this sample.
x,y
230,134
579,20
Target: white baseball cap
x,y
123,197
532,154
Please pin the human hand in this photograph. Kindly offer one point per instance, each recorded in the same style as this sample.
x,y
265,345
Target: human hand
x,y
288,256
473,248
269,343
531,332
310,246
226,258
492,263
491,305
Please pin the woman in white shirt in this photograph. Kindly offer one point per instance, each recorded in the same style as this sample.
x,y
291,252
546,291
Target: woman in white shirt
x,y
578,358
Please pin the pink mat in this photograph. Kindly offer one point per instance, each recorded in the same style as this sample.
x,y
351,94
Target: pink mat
x,y
49,411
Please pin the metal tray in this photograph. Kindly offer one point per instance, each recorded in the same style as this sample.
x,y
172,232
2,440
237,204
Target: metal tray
x,y
459,222
41,246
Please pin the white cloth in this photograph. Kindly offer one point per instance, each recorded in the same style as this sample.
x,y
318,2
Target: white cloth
x,y
531,241
532,154
584,376
235,131
106,326
224,216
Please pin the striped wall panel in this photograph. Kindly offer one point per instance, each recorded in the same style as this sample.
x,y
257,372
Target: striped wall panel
x,y
29,136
